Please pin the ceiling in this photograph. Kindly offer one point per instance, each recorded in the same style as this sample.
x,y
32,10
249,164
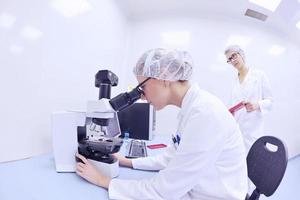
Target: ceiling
x,y
283,20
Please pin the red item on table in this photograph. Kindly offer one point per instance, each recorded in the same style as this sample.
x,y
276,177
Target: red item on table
x,y
156,146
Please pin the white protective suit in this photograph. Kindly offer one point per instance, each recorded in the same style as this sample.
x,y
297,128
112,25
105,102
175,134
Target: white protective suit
x,y
209,163
254,88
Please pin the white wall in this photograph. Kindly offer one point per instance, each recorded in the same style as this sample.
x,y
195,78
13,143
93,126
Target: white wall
x,y
52,67
48,62
208,39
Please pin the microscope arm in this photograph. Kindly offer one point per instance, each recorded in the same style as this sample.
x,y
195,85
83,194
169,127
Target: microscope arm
x,y
100,109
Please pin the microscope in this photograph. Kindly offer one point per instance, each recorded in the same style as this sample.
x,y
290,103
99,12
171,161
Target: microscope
x,y
95,142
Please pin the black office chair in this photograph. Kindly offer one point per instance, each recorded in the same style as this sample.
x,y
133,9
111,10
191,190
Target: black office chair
x,y
266,166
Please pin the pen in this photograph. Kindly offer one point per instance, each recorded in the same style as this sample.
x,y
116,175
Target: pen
x,y
174,139
178,139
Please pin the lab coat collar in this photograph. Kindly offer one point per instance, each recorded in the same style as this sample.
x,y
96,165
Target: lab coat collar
x,y
188,97
249,73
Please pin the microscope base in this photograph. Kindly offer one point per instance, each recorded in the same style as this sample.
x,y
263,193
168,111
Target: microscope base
x,y
110,170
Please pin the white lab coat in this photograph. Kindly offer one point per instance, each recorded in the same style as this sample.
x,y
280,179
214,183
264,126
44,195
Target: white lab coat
x,y
209,163
254,88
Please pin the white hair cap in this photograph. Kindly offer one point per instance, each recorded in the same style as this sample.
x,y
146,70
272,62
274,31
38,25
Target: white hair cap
x,y
162,64
237,49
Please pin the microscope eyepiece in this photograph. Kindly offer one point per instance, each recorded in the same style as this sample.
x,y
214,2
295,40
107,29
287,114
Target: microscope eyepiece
x,y
124,100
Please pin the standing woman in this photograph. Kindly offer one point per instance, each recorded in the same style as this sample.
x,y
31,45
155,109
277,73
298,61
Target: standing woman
x,y
206,159
253,89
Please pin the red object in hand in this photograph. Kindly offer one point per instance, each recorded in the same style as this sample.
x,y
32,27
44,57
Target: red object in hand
x,y
237,107
156,146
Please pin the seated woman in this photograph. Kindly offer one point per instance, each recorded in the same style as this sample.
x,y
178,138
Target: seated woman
x,y
207,159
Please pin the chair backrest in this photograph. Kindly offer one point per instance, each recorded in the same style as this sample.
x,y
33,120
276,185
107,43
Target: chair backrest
x,y
266,166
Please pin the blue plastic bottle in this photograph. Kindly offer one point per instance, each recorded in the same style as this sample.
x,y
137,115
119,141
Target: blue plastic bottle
x,y
126,137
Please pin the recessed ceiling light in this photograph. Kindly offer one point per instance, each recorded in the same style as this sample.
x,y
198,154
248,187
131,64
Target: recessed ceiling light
x,y
298,24
7,20
176,38
276,50
268,4
240,40
71,8
31,33
16,49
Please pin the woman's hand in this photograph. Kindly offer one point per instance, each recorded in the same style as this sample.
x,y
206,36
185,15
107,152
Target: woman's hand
x,y
252,106
88,171
122,160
